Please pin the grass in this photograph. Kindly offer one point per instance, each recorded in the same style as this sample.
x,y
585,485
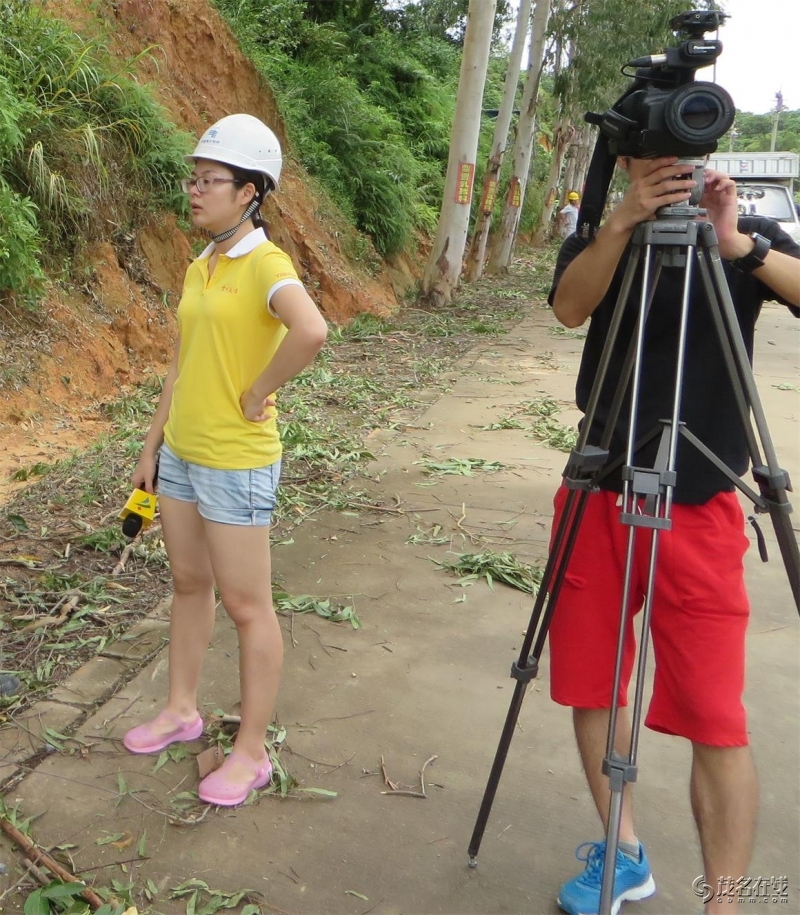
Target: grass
x,y
82,144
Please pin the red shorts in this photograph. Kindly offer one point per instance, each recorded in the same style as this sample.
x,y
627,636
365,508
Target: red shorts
x,y
698,623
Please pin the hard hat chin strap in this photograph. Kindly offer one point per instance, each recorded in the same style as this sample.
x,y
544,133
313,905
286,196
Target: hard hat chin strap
x,y
255,203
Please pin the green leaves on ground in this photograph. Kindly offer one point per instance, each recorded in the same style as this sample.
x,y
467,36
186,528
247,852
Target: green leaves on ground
x,y
57,894
492,566
460,466
202,900
541,424
324,607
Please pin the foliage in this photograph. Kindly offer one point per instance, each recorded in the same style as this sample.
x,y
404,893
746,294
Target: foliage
x,y
369,114
753,133
80,141
324,607
493,566
20,244
602,36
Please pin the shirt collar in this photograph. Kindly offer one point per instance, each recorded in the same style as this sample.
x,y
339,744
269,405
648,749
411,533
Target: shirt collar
x,y
247,244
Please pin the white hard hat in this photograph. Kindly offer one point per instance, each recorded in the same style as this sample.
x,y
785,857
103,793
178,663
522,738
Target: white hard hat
x,y
242,141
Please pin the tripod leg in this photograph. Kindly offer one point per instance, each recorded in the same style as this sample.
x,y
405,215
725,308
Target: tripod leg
x,y
772,480
527,665
655,487
582,468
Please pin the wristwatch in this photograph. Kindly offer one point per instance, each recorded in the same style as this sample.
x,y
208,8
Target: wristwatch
x,y
755,258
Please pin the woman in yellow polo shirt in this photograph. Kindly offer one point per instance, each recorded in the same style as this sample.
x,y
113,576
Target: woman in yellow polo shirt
x,y
246,327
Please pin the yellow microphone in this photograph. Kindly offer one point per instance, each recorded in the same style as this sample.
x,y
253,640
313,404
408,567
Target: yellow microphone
x,y
138,513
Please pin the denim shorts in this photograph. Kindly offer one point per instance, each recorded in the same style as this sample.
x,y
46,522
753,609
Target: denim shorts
x,y
243,497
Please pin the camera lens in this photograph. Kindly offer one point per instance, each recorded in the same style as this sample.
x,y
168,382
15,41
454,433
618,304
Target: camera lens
x,y
699,112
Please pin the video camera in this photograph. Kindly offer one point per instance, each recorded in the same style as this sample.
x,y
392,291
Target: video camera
x,y
666,112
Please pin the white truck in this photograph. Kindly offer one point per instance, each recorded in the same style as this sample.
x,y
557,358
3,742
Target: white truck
x,y
765,184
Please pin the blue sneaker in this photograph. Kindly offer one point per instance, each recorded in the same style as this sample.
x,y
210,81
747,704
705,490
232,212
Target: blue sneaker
x,y
632,881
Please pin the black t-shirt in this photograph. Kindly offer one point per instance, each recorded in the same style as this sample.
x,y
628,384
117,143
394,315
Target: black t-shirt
x,y
708,403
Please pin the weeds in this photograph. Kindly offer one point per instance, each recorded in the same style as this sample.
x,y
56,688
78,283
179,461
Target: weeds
x,y
82,143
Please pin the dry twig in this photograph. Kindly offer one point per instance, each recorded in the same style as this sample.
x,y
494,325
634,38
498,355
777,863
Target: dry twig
x,y
39,857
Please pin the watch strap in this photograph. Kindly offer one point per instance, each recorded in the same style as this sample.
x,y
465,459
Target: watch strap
x,y
755,258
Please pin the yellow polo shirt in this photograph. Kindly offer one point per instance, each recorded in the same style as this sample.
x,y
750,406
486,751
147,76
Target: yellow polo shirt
x,y
228,337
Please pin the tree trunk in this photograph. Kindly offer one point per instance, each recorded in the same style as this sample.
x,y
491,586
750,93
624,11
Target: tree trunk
x,y
503,244
491,177
562,134
570,166
444,265
584,157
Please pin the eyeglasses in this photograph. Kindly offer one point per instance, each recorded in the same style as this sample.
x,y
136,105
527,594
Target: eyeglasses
x,y
203,184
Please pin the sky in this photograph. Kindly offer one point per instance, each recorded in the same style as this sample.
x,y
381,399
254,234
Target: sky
x,y
761,47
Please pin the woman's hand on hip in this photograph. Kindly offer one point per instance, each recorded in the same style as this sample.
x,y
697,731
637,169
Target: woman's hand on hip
x,y
256,409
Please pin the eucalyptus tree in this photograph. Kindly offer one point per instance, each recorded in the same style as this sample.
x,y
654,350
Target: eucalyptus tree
x,y
503,242
491,176
444,264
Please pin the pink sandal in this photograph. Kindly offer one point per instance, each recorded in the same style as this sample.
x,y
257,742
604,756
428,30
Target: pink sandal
x,y
159,733
229,785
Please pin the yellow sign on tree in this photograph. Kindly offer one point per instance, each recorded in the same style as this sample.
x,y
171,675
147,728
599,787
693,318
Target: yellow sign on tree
x,y
489,195
514,193
466,172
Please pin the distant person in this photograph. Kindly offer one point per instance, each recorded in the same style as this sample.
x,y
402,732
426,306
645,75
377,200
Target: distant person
x,y
246,327
568,216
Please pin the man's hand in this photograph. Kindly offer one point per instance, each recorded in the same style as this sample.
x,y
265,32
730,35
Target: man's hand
x,y
654,183
719,200
256,409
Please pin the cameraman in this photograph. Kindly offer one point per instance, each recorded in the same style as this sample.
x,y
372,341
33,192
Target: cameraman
x,y
700,608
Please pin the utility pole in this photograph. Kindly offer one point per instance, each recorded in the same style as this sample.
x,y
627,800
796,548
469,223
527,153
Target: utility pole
x,y
779,107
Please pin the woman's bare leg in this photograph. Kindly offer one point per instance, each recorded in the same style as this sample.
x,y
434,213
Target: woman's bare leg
x,y
240,559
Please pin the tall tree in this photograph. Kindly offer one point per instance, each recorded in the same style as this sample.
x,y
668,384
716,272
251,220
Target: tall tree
x,y
503,242
491,176
444,265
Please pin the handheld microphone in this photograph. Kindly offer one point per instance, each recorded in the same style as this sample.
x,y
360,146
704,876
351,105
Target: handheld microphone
x,y
139,511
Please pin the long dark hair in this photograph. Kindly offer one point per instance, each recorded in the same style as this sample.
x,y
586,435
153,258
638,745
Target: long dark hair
x,y
263,186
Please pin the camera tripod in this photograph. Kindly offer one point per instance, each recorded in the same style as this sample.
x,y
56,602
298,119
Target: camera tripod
x,y
677,237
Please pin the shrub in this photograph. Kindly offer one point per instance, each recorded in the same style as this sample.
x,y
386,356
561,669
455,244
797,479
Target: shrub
x,y
80,141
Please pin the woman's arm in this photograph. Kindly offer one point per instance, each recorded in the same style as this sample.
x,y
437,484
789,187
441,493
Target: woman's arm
x,y
306,334
144,474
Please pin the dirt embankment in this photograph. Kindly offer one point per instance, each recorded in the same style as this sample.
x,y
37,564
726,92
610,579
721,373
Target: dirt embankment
x,y
119,324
